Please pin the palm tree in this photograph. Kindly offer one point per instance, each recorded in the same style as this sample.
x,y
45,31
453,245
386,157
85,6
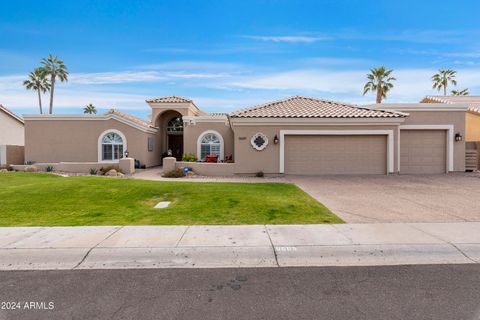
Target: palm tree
x,y
463,92
442,78
38,82
54,67
379,81
90,109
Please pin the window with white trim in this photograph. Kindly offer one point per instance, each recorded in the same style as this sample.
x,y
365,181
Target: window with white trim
x,y
210,145
112,147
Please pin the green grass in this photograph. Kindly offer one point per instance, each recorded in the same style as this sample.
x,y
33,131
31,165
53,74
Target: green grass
x,y
28,199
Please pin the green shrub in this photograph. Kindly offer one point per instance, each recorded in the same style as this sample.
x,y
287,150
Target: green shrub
x,y
104,170
259,174
93,171
174,174
49,169
189,157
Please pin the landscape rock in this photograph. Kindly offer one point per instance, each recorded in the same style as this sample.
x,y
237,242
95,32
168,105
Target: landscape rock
x,y
112,173
120,175
3,170
30,169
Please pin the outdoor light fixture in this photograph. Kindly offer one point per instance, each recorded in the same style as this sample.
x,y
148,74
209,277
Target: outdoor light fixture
x,y
275,140
458,136
126,153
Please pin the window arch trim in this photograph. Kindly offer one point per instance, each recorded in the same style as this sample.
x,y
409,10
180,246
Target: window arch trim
x,y
199,144
100,140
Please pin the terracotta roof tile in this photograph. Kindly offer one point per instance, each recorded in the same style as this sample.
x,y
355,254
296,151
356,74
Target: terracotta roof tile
x,y
11,113
129,117
304,107
169,99
472,101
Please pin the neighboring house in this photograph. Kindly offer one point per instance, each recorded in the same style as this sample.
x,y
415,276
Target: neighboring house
x,y
11,137
472,125
297,135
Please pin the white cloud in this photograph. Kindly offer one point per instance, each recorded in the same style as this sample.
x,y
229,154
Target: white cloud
x,y
288,39
114,77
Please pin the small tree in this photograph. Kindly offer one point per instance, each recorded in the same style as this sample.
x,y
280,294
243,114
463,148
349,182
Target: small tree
x,y
463,92
53,67
90,109
38,82
379,81
443,78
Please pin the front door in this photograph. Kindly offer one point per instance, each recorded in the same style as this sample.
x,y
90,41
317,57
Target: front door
x,y
175,143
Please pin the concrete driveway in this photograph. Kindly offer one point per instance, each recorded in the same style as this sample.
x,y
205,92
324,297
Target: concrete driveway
x,y
397,198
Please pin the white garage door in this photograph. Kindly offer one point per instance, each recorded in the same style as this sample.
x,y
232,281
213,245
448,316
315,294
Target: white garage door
x,y
357,154
423,151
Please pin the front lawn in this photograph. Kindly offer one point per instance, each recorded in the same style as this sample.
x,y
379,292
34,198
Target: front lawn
x,y
28,199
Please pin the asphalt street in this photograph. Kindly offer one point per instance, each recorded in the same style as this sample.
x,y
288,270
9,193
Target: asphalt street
x,y
381,292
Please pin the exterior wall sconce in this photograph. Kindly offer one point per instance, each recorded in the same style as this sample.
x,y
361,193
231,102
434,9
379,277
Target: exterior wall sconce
x,y
126,153
458,137
275,140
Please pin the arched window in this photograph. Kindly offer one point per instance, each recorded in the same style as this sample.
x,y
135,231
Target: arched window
x,y
209,143
175,125
112,146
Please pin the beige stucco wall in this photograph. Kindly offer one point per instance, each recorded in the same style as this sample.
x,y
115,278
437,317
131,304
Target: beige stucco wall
x,y
52,141
472,126
457,118
209,169
192,132
249,160
11,131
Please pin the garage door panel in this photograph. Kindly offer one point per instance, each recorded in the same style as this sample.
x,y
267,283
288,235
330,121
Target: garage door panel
x,y
362,154
423,151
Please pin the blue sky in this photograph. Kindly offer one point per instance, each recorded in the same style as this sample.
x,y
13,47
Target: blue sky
x,y
232,54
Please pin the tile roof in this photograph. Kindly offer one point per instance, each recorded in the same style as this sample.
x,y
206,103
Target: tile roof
x,y
472,101
304,107
11,113
169,99
129,117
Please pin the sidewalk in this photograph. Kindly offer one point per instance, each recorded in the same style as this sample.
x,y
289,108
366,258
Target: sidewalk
x,y
31,248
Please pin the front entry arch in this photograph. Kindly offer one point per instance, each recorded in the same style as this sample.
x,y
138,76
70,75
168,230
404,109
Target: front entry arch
x,y
170,124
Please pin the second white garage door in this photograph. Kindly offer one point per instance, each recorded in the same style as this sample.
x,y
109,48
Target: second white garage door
x,y
423,151
362,154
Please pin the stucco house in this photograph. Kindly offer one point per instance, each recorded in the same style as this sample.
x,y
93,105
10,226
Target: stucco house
x,y
11,137
296,135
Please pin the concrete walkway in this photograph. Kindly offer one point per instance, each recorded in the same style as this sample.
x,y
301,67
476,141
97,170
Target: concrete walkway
x,y
238,246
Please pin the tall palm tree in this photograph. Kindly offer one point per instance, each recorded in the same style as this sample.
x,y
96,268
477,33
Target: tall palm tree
x,y
54,67
90,109
443,78
463,92
379,81
38,82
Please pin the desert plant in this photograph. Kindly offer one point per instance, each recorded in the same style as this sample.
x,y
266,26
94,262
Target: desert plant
x,y
174,174
49,168
379,81
259,174
93,171
189,157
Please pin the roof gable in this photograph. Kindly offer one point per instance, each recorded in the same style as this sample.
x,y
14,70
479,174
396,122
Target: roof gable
x,y
169,99
304,107
473,102
11,114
